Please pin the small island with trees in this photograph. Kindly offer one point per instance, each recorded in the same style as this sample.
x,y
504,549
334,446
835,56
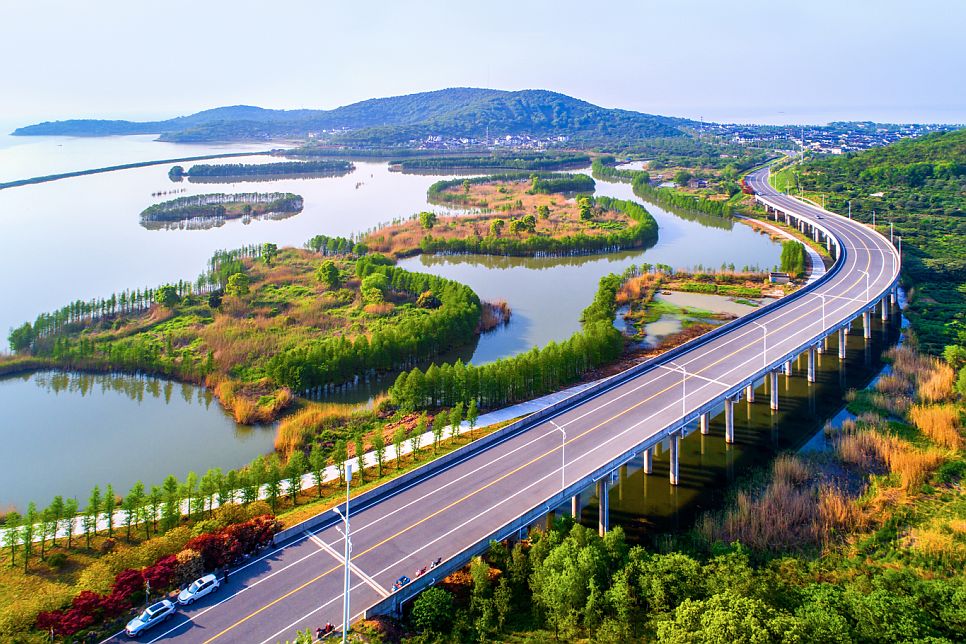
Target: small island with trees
x,y
539,214
211,210
263,322
234,172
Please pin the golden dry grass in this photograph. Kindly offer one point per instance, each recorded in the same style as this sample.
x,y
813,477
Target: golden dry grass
x,y
939,422
872,452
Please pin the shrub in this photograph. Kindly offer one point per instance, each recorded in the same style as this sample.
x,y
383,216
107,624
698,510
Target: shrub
x,y
57,560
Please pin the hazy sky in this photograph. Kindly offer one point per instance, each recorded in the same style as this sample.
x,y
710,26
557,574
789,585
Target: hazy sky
x,y
761,60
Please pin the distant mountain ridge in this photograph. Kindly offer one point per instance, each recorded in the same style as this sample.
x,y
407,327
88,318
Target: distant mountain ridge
x,y
453,112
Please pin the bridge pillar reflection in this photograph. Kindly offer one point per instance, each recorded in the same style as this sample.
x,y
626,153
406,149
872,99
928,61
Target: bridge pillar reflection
x,y
675,460
773,388
603,507
729,420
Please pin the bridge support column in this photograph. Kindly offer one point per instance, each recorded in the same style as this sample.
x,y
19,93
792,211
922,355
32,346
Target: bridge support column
x,y
603,507
788,367
773,388
675,448
892,295
884,305
750,392
828,244
820,348
704,422
648,460
842,343
867,325
815,234
811,364
729,420
575,508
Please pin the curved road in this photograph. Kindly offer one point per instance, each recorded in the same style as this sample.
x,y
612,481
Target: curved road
x,y
443,514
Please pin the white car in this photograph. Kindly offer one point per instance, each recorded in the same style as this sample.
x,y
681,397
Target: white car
x,y
151,616
198,589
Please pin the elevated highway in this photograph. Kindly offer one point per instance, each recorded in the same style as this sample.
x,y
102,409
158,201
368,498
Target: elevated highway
x,y
490,489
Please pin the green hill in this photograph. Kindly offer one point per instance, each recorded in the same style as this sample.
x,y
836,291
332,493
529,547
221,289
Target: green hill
x,y
920,186
454,112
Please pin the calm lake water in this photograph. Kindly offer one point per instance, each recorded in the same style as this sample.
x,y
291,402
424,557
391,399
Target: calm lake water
x,y
64,432
81,238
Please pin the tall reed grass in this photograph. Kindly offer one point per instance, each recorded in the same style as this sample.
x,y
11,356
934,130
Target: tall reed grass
x,y
941,423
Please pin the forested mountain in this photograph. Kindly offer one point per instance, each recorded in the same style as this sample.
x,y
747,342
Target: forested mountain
x,y
454,112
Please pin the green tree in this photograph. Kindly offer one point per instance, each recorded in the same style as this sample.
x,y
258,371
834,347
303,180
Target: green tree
x,y
273,482
133,504
172,503
21,338
318,462
91,514
269,253
70,519
11,534
543,211
427,220
328,274
379,447
167,296
438,427
681,177
188,491
27,534
110,505
360,457
502,601
496,227
340,454
57,512
297,466
433,610
155,503
398,438
48,527
373,288
415,438
237,285
472,414
456,418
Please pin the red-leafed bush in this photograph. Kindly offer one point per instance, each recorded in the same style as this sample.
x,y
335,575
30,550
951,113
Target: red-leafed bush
x,y
162,573
88,603
212,548
128,583
115,605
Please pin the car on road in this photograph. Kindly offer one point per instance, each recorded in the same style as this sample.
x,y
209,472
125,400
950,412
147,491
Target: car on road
x,y
198,589
150,616
402,581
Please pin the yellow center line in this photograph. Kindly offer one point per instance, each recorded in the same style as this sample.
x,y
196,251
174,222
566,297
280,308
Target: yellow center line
x,y
515,470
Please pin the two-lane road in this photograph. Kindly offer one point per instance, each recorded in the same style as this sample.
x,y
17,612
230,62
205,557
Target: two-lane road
x,y
299,585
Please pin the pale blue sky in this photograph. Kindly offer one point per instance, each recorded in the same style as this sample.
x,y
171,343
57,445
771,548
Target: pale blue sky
x,y
766,61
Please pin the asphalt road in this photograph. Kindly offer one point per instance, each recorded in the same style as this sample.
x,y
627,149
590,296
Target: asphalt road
x,y
299,585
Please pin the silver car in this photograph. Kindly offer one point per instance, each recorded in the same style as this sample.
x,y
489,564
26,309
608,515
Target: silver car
x,y
150,616
198,589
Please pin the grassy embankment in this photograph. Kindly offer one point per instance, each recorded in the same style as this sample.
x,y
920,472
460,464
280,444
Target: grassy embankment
x,y
50,583
864,542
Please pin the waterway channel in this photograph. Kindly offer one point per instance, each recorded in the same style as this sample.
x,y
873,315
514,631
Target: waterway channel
x,y
87,232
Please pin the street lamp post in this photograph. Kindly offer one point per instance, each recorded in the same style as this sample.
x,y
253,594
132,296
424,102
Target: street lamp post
x,y
348,549
866,273
563,455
